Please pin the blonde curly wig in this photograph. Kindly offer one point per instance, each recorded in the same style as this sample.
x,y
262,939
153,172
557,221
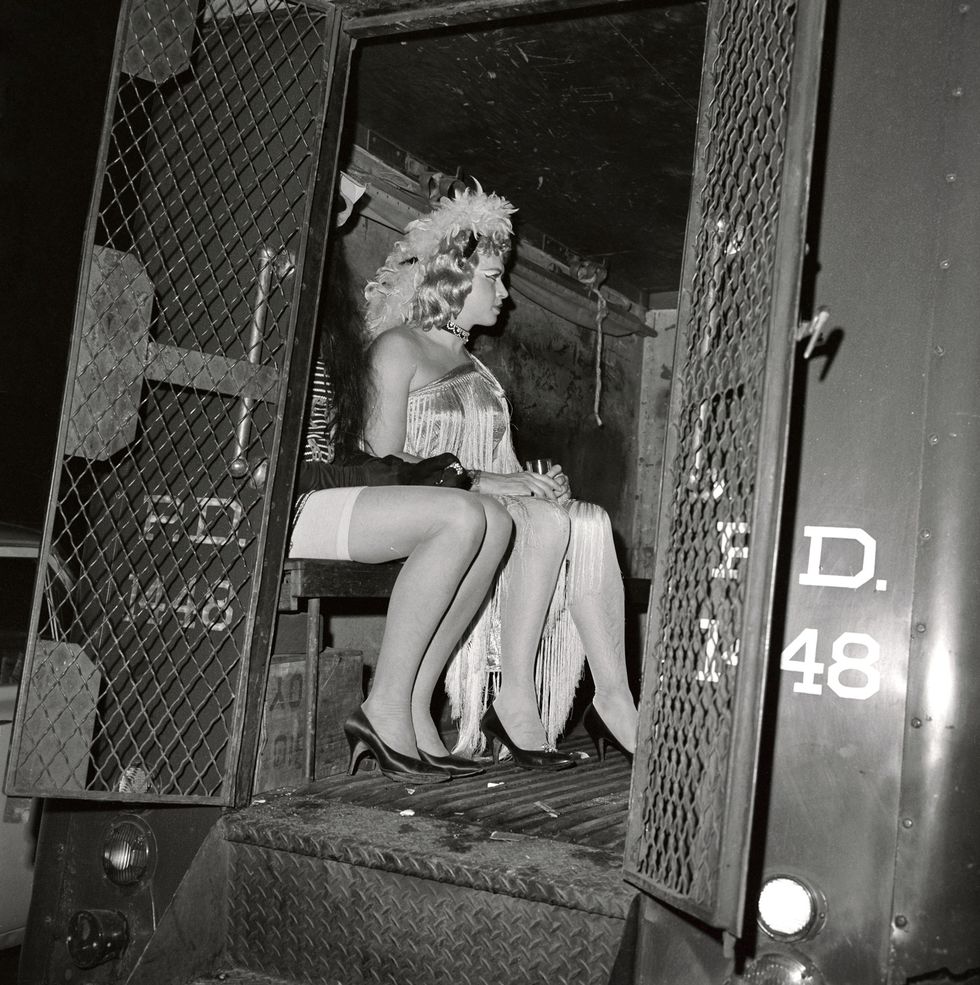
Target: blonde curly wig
x,y
429,273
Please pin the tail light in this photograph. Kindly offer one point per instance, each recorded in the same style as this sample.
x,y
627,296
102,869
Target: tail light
x,y
128,850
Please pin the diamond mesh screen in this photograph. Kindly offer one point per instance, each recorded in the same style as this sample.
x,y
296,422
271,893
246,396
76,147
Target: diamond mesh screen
x,y
693,659
182,339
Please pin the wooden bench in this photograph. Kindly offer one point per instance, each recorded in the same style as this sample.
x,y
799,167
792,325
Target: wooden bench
x,y
308,582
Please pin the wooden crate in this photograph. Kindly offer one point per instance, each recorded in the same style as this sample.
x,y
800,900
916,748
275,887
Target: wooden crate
x,y
282,746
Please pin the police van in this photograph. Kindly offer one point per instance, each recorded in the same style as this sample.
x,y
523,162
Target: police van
x,y
801,805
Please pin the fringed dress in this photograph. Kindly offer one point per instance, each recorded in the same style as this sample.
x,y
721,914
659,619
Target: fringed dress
x,y
465,412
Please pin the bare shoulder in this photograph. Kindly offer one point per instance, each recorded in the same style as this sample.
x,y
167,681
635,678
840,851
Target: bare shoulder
x,y
395,351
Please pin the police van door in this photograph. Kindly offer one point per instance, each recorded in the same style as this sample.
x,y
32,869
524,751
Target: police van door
x,y
706,647
191,349
190,359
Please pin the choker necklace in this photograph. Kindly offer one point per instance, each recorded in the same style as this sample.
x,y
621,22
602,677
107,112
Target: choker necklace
x,y
454,329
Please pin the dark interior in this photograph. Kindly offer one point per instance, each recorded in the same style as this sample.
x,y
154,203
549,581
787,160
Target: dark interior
x,y
586,120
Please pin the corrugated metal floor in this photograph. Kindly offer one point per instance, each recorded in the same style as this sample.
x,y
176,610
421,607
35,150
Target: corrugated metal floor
x,y
585,805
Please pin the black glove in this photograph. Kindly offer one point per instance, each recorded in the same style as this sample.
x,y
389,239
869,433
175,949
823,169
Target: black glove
x,y
361,469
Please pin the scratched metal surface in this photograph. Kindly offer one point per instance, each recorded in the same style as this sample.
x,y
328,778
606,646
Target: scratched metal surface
x,y
585,805
586,122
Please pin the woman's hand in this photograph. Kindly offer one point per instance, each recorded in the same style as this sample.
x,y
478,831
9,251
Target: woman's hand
x,y
518,484
564,486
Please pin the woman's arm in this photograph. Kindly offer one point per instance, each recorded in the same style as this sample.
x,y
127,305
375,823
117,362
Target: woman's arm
x,y
393,361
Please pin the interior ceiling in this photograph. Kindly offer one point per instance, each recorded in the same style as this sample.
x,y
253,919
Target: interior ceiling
x,y
585,122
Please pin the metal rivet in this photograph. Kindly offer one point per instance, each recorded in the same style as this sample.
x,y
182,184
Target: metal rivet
x,y
920,627
957,92
916,723
944,264
901,920
933,439
951,177
926,534
939,350
906,822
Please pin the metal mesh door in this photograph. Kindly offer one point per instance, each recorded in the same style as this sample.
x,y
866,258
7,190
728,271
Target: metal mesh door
x,y
693,778
184,333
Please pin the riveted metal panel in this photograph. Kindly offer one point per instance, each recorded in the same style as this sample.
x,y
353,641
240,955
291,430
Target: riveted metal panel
x,y
706,647
198,288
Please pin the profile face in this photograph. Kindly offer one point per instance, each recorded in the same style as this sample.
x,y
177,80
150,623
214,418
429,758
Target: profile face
x,y
487,295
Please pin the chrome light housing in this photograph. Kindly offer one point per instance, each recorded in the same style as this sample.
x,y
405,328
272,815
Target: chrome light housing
x,y
790,909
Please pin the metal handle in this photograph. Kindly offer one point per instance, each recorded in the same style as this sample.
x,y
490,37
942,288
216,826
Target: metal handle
x,y
815,329
270,261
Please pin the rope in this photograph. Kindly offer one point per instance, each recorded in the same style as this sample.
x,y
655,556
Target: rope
x,y
591,274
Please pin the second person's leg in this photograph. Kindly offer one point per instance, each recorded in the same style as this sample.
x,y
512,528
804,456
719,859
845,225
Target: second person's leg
x,y
596,603
540,545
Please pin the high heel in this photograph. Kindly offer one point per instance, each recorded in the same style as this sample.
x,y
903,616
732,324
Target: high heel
x,y
601,736
528,759
453,765
362,738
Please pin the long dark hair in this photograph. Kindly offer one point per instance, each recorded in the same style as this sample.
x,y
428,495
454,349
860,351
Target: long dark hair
x,y
343,349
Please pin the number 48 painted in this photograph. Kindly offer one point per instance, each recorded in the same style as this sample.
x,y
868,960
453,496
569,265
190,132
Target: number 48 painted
x,y
864,678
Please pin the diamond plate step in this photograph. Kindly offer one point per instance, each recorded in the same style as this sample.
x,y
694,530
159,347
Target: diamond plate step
x,y
323,891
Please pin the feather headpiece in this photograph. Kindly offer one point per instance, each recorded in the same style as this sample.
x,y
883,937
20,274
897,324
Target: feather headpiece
x,y
392,292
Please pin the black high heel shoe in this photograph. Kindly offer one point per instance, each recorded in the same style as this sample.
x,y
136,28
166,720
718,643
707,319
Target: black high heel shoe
x,y
453,765
527,759
601,736
362,738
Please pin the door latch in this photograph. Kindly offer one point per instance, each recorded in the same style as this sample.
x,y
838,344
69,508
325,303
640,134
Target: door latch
x,y
814,330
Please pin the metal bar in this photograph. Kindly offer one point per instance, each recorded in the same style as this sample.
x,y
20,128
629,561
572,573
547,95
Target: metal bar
x,y
243,425
211,372
312,683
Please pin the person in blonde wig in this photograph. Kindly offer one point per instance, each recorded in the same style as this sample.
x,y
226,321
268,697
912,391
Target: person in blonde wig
x,y
353,506
514,677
